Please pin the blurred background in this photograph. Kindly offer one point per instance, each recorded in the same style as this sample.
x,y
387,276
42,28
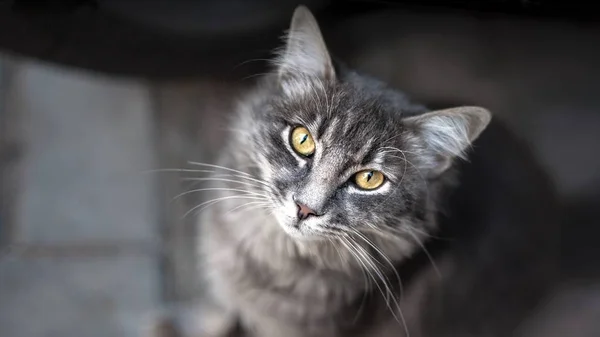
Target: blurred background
x,y
94,95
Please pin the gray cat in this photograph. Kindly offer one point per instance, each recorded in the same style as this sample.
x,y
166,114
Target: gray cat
x,y
341,212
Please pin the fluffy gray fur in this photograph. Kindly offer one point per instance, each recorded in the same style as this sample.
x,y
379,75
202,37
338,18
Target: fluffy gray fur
x,y
338,273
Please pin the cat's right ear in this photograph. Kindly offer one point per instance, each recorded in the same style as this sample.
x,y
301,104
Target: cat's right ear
x,y
446,134
305,50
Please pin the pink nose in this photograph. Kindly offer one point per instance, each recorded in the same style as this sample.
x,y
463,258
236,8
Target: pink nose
x,y
304,212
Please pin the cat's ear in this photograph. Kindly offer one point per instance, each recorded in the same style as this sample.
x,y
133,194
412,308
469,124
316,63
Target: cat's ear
x,y
305,50
446,134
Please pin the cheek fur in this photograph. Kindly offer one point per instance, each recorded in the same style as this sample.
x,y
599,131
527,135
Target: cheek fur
x,y
374,208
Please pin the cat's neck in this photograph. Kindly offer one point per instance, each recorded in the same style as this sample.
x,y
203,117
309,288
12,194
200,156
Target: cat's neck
x,y
312,276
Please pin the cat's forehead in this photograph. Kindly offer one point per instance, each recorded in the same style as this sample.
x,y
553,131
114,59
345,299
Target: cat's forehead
x,y
338,113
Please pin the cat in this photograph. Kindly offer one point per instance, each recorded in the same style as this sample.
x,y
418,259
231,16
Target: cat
x,y
346,209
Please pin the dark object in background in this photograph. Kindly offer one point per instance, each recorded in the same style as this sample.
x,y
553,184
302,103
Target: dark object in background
x,y
159,39
181,38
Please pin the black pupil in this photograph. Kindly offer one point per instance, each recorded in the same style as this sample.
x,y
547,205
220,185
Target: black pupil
x,y
369,175
304,138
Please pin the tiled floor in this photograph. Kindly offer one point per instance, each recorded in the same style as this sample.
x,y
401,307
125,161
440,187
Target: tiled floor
x,y
83,255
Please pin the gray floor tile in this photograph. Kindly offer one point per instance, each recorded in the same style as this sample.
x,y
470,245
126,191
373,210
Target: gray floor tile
x,y
77,297
88,141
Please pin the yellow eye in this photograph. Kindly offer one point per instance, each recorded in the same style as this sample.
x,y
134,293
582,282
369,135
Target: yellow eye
x,y
369,179
302,141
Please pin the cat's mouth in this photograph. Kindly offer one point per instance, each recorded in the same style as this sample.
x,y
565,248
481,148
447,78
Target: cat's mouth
x,y
301,229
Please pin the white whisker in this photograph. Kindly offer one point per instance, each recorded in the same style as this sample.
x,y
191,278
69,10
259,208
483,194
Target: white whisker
x,y
208,203
219,189
416,238
244,207
385,257
365,278
176,170
225,175
388,290
222,180
429,235
219,167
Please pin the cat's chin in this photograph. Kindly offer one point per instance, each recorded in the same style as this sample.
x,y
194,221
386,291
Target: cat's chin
x,y
302,234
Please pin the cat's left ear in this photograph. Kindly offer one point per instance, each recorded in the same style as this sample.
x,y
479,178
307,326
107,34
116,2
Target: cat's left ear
x,y
305,50
446,134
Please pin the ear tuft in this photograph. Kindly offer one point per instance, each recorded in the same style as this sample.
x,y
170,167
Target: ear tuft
x,y
305,50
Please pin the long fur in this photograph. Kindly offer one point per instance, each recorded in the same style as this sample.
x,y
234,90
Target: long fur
x,y
340,273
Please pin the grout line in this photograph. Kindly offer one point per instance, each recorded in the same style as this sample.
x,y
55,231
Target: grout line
x,y
85,249
9,155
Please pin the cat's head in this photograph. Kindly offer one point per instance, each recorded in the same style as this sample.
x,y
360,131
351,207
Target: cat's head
x,y
344,153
